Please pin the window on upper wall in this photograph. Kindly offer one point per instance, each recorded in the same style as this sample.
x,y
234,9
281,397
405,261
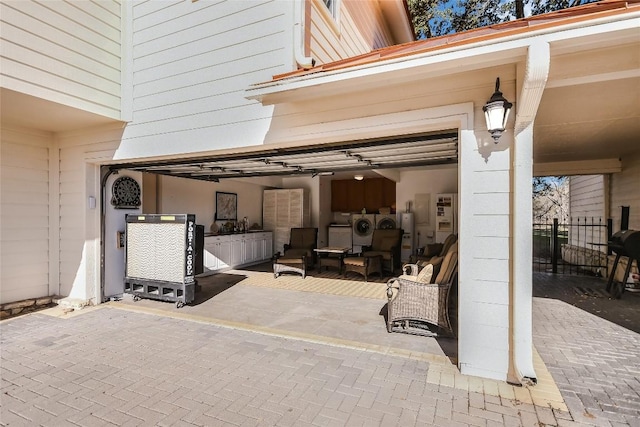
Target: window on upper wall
x,y
332,5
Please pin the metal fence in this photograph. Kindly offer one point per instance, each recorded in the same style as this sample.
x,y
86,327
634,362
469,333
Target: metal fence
x,y
578,247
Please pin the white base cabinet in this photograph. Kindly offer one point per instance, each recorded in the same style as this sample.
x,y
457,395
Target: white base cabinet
x,y
236,250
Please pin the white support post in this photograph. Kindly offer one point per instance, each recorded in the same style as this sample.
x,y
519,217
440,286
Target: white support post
x,y
520,312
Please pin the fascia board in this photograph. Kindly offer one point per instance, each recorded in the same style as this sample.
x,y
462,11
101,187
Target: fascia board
x,y
485,53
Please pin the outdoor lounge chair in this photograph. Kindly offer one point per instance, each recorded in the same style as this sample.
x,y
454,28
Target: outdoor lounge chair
x,y
386,243
416,305
302,242
426,253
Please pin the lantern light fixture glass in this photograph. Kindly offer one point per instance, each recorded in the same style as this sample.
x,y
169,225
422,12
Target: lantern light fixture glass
x,y
358,177
496,113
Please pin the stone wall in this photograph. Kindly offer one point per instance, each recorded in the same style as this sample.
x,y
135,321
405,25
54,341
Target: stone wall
x,y
11,309
588,259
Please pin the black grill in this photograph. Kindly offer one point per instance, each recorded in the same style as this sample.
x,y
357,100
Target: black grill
x,y
623,243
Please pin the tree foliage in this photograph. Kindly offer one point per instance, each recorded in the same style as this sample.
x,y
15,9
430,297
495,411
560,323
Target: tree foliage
x,y
432,18
550,199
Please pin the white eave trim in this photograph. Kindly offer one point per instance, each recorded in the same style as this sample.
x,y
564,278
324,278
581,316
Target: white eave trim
x,y
533,85
514,46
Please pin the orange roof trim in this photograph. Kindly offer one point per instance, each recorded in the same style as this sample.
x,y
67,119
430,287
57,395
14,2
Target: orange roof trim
x,y
520,26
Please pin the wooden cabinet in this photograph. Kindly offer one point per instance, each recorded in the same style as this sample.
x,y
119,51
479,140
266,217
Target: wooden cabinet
x,y
356,191
349,195
388,193
339,196
373,194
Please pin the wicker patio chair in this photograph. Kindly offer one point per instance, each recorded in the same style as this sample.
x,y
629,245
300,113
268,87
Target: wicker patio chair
x,y
415,306
433,253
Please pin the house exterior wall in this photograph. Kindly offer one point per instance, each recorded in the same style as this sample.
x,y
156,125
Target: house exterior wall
x,y
69,53
587,206
624,192
359,28
80,153
189,77
587,196
24,229
182,86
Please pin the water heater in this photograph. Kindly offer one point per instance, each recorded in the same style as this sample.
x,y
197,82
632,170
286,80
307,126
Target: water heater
x,y
406,250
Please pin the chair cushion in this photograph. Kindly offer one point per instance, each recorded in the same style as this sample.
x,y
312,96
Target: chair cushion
x,y
449,265
436,260
432,249
448,242
384,254
424,276
289,261
387,243
296,252
359,261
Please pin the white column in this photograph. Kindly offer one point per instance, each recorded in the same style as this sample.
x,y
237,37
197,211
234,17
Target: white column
x,y
533,83
54,218
484,250
522,253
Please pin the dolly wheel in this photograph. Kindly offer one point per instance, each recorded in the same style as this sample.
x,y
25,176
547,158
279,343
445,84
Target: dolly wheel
x,y
179,304
136,297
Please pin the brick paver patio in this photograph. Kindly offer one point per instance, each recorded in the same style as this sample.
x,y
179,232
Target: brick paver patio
x,y
114,366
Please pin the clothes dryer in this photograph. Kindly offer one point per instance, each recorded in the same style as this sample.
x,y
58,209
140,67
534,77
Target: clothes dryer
x,y
363,226
386,221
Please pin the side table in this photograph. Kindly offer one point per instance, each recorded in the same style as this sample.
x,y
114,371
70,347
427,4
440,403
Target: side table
x,y
331,257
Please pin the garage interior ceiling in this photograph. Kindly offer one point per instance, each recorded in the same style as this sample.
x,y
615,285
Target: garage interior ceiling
x,y
318,159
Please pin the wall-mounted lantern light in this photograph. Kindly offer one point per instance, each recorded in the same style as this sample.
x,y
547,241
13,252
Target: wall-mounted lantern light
x,y
496,112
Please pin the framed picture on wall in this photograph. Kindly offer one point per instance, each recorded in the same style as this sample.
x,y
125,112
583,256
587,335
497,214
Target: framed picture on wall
x,y
226,206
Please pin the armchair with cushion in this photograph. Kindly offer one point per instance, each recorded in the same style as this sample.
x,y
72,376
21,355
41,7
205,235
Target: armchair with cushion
x,y
427,252
435,256
416,301
302,242
385,243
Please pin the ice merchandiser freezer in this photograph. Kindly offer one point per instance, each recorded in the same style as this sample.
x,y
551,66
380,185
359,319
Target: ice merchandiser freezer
x,y
163,254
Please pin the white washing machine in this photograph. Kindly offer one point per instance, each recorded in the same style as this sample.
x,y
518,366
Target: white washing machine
x,y
386,221
363,226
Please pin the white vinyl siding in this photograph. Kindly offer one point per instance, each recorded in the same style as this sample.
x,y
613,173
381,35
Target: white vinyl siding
x,y
360,29
587,206
190,77
624,192
587,196
65,52
24,213
79,232
72,217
